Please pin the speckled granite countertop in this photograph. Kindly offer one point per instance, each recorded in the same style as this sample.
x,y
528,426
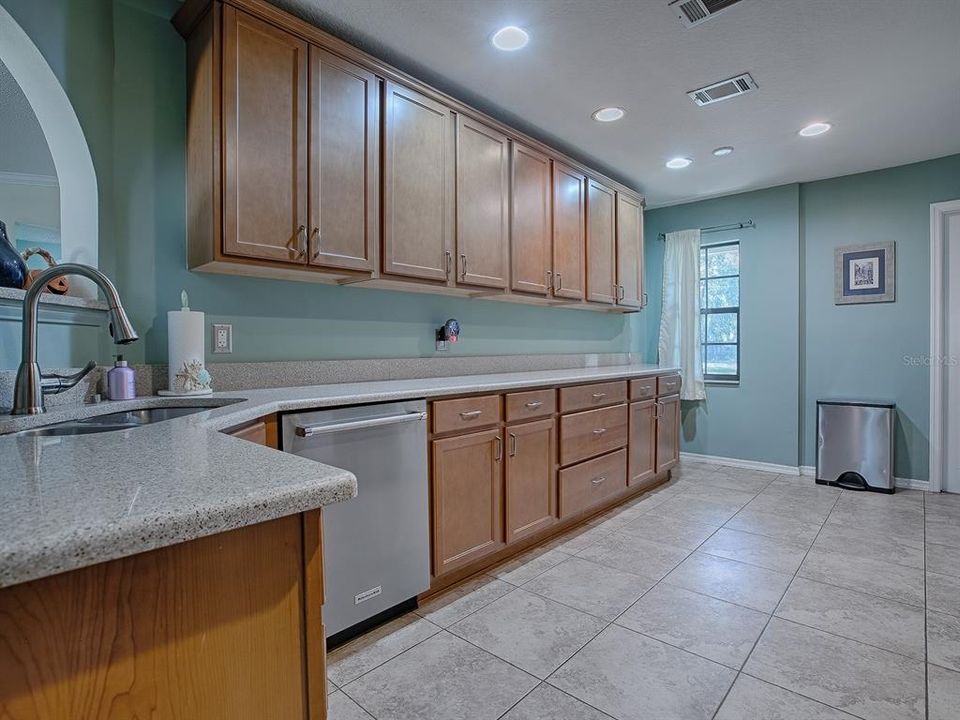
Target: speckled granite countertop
x,y
69,502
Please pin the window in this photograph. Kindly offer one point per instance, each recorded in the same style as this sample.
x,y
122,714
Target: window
x,y
720,311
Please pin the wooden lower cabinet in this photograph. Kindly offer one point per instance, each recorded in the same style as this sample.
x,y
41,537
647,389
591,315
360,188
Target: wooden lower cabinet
x,y
467,498
531,478
588,484
643,443
225,627
668,433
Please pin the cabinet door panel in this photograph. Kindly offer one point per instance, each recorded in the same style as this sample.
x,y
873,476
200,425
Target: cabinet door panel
x,y
530,229
668,433
531,482
601,243
643,442
344,162
264,140
417,185
569,196
483,188
467,511
629,251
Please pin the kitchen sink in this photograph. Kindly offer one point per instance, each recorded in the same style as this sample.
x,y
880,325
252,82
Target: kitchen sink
x,y
123,420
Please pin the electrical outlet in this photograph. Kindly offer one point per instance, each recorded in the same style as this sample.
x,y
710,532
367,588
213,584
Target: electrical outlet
x,y
222,338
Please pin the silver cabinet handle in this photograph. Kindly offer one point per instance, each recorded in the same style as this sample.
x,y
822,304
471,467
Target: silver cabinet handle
x,y
599,431
321,429
534,404
621,292
513,445
314,234
599,396
463,267
449,260
301,241
645,298
499,449
471,414
657,415
549,279
559,278
597,481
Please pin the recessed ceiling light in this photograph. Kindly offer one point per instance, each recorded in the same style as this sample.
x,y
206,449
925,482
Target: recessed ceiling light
x,y
510,38
678,162
609,114
817,128
725,150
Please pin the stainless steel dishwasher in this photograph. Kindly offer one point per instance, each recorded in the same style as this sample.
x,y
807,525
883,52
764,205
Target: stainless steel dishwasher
x,y
377,545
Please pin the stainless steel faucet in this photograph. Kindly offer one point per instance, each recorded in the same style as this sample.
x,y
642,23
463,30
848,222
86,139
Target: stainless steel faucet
x,y
32,384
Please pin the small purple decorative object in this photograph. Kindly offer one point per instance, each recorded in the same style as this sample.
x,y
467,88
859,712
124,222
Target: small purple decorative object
x,y
13,270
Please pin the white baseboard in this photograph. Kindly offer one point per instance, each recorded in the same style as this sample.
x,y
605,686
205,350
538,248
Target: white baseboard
x,y
802,471
737,462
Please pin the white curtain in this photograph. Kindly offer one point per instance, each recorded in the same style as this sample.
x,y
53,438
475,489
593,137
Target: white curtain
x,y
680,313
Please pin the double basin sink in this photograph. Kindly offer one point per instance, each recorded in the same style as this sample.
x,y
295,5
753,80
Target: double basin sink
x,y
124,420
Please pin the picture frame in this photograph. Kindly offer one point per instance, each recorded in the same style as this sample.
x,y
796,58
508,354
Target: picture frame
x,y
864,274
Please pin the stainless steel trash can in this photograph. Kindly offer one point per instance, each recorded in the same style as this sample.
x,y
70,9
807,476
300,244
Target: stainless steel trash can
x,y
855,444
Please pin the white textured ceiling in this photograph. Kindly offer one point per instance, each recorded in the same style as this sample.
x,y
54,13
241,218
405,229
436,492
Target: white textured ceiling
x,y
886,73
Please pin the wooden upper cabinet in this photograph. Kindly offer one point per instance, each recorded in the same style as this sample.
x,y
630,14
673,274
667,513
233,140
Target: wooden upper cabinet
x,y
418,193
483,198
569,195
531,478
344,163
264,140
629,251
601,243
530,229
467,483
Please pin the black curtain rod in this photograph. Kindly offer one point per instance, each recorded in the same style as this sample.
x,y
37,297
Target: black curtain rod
x,y
720,228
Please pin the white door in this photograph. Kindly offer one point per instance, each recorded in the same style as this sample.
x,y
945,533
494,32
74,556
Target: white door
x,y
949,362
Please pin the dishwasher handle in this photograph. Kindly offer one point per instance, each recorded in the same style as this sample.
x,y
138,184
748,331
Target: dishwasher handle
x,y
323,429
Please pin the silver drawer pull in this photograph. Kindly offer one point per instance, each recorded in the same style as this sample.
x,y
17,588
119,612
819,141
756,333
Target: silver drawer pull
x,y
597,481
599,431
471,414
534,404
599,396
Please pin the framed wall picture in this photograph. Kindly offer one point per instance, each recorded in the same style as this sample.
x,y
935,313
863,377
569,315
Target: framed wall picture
x,y
864,274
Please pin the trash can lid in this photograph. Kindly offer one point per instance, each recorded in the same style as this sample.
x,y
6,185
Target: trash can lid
x,y
859,403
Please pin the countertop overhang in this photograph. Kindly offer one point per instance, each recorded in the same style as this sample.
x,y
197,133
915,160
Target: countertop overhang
x,y
74,501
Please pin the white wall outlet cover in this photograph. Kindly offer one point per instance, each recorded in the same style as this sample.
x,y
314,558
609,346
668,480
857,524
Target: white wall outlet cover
x,y
222,338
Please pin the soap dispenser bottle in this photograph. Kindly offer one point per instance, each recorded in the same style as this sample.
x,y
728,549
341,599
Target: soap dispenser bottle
x,y
121,381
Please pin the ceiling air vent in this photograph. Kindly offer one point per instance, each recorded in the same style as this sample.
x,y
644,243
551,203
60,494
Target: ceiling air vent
x,y
694,12
723,90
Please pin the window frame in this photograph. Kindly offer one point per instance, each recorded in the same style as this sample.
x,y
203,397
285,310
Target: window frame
x,y
719,378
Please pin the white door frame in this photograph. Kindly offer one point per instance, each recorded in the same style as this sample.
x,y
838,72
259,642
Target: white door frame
x,y
939,212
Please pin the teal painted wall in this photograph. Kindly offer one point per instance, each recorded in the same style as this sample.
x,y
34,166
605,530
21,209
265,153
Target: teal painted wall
x,y
131,100
797,345
757,419
864,350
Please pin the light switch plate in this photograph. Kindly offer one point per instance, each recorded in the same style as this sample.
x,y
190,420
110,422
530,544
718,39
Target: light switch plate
x,y
222,338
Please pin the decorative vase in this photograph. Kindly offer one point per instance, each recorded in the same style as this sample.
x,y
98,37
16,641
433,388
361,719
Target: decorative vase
x,y
13,270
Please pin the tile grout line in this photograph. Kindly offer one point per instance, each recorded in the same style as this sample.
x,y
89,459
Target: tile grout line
x,y
772,615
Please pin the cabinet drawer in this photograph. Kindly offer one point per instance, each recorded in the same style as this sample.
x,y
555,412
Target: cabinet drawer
x,y
466,413
530,405
586,434
643,388
590,483
584,397
668,385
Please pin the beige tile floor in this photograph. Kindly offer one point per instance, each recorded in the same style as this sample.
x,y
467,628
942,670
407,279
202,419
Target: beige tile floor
x,y
727,594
